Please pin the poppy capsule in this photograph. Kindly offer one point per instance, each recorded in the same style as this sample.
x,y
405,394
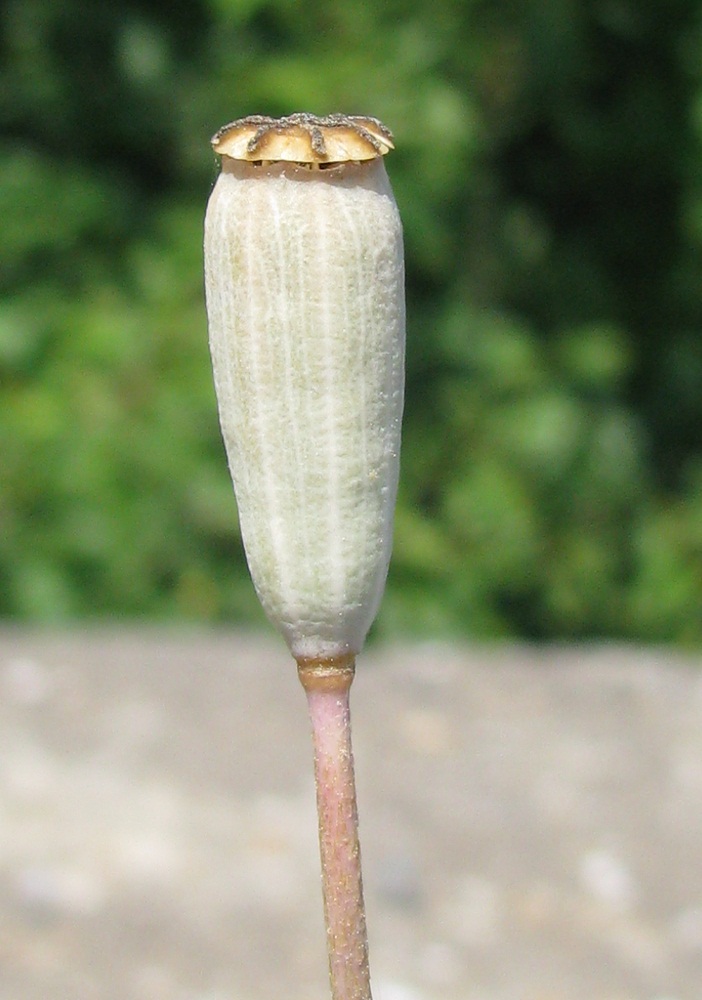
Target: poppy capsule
x,y
305,300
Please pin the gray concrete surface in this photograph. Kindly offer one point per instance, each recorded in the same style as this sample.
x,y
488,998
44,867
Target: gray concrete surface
x,y
530,819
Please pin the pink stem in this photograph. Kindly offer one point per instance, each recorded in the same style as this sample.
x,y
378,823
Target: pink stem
x,y
327,686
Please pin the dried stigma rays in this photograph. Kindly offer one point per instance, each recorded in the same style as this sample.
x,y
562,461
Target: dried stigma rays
x,y
303,138
304,280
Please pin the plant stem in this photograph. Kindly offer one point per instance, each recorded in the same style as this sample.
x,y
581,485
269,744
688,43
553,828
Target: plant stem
x,y
327,685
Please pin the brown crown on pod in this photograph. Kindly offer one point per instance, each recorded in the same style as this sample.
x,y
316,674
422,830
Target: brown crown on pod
x,y
304,138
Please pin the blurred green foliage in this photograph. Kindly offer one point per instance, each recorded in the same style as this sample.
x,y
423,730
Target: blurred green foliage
x,y
548,174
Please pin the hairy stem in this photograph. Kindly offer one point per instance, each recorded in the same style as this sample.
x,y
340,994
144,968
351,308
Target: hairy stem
x,y
327,685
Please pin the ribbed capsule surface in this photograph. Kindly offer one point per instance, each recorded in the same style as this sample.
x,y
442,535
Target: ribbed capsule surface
x,y
305,301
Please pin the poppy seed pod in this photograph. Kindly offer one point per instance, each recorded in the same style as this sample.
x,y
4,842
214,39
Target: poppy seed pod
x,y
305,301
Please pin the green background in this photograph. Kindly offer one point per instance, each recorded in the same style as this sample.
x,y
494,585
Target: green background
x,y
548,174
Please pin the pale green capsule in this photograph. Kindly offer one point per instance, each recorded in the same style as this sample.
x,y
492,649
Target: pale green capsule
x,y
305,301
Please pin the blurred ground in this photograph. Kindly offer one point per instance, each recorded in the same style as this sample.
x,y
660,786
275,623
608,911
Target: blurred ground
x,y
531,821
